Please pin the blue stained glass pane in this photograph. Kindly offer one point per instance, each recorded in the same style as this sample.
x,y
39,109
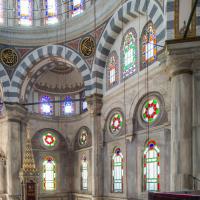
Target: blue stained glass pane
x,y
68,105
46,105
77,7
25,12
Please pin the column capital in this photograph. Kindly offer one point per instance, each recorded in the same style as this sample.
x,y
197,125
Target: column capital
x,y
179,64
95,103
16,112
182,56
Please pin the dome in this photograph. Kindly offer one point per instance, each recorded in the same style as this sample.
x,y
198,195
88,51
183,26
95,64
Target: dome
x,y
63,79
42,24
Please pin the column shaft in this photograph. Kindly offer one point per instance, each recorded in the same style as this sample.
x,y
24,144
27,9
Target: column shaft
x,y
181,123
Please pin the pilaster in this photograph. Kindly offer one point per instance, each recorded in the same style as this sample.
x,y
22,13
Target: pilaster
x,y
16,123
94,107
180,62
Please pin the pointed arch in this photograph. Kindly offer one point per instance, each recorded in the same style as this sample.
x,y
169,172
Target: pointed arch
x,y
127,12
35,63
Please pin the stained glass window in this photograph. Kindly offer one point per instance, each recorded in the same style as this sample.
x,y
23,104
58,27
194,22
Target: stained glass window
x,y
117,170
51,11
49,139
68,107
149,47
116,123
83,137
83,102
112,70
25,12
151,170
46,107
49,174
77,7
1,11
129,52
151,110
84,174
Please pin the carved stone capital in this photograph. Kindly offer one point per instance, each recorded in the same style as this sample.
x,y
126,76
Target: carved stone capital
x,y
16,112
95,104
182,56
179,64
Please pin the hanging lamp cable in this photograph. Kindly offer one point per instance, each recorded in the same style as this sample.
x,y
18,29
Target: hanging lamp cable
x,y
125,117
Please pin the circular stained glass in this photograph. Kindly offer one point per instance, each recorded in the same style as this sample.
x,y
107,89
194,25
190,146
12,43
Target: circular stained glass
x,y
151,111
83,137
116,123
49,139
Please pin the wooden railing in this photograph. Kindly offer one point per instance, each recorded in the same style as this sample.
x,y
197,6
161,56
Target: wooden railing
x,y
172,196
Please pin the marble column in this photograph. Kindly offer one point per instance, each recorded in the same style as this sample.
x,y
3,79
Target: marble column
x,y
196,126
16,122
95,105
180,67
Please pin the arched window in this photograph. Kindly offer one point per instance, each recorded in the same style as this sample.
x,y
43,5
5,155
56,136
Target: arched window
x,y
46,107
151,170
24,12
149,47
1,11
77,7
112,70
83,102
49,174
84,174
129,53
68,106
117,170
51,11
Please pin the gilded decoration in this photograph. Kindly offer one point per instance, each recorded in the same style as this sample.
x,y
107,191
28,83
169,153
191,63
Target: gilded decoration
x,y
87,46
9,57
180,28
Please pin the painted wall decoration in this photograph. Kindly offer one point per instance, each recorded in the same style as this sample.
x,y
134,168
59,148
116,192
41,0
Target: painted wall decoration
x,y
87,46
9,57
